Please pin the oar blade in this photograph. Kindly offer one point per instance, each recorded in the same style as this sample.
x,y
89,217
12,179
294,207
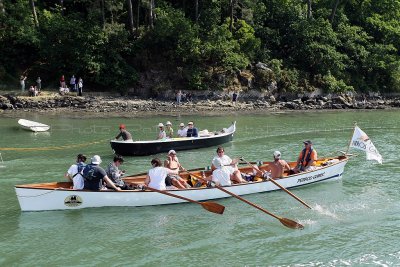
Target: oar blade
x,y
291,224
213,207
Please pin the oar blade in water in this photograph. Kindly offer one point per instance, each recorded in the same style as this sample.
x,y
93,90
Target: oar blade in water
x,y
213,207
291,224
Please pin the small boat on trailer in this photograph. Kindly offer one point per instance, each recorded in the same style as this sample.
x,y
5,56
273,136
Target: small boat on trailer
x,y
59,196
33,125
142,148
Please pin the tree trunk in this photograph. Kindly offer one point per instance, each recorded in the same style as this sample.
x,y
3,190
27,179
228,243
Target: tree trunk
x,y
232,8
309,10
196,11
137,14
2,9
334,10
103,16
130,16
35,19
62,7
151,14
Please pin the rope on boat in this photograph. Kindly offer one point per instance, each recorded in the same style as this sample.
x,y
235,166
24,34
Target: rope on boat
x,y
51,191
50,148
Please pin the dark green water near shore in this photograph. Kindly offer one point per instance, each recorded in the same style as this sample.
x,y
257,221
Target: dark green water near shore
x,y
355,220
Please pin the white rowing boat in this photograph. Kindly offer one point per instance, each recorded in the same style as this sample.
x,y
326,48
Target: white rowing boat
x,y
59,196
33,125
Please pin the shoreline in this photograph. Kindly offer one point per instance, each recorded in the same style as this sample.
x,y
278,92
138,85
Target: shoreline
x,y
128,106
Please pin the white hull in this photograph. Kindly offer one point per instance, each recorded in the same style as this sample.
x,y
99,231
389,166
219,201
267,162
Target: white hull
x,y
40,198
33,126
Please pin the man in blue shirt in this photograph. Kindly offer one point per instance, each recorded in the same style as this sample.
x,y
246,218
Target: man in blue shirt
x,y
192,131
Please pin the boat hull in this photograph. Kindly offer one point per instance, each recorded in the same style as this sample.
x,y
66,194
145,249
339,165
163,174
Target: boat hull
x,y
33,126
143,148
40,199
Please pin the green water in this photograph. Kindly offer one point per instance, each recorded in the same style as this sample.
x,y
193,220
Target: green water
x,y
355,221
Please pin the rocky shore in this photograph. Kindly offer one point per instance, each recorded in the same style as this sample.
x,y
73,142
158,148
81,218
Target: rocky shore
x,y
211,102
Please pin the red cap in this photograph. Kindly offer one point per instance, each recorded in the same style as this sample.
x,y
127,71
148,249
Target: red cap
x,y
122,126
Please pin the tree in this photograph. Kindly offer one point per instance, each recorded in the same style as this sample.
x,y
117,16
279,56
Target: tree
x,y
130,16
35,19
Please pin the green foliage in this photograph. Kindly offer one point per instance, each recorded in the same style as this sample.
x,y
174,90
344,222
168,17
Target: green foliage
x,y
330,84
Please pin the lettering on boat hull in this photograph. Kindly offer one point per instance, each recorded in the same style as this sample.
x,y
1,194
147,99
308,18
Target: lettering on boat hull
x,y
309,178
73,201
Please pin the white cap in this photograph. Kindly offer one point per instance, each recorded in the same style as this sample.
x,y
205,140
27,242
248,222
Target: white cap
x,y
190,123
172,152
96,159
168,123
160,124
182,124
277,154
217,163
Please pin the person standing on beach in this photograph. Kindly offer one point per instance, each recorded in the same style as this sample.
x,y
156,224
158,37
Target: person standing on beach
x,y
22,82
80,86
72,82
62,81
39,84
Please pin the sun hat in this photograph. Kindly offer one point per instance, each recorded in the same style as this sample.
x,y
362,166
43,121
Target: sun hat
x,y
190,123
307,142
160,124
217,163
182,124
122,126
277,154
171,152
96,159
168,123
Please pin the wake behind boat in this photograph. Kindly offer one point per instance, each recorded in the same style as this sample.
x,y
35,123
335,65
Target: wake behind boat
x,y
142,148
59,196
33,125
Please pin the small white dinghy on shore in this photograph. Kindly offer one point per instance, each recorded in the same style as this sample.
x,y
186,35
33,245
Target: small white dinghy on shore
x,y
33,125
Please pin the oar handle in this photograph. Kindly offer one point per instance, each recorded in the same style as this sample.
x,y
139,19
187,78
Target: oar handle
x,y
168,193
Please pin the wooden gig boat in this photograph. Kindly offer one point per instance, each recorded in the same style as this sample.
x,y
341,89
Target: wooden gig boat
x,y
59,196
33,125
142,148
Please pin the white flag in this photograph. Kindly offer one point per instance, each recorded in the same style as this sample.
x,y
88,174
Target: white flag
x,y
361,141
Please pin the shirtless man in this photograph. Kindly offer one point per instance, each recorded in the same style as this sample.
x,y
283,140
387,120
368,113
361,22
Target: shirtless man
x,y
172,163
278,166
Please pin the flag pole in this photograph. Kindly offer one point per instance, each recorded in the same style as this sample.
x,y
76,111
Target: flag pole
x,y
351,138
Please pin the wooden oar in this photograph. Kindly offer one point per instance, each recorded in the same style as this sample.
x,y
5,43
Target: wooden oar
x,y
286,222
210,206
279,185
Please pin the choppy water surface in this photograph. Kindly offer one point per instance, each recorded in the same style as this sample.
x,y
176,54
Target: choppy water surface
x,y
354,222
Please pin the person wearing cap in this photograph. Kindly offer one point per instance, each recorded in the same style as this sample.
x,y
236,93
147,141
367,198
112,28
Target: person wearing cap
x,y
182,131
307,158
161,133
94,176
126,136
115,174
172,163
74,173
278,166
169,132
228,164
191,130
157,174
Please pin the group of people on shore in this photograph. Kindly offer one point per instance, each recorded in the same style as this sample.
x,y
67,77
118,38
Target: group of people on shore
x,y
76,85
166,176
164,132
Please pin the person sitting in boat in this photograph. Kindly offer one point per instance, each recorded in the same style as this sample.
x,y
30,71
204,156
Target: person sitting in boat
x,y
126,136
115,174
74,173
157,175
230,165
307,158
172,163
182,131
94,176
161,133
191,130
221,175
169,132
278,166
